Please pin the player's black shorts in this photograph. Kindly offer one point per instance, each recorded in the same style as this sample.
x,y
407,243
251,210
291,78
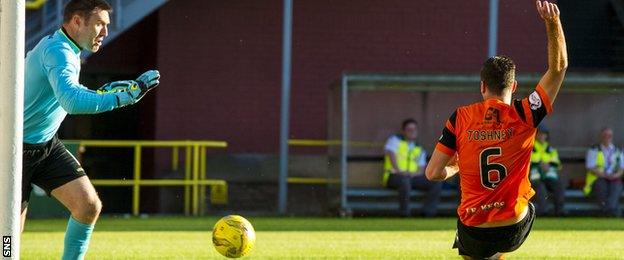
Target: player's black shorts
x,y
485,242
48,165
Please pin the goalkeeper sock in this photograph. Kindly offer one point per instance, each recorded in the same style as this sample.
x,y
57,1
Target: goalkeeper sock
x,y
77,239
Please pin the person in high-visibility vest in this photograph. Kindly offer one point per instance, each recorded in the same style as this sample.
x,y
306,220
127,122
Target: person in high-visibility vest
x,y
404,166
605,166
545,164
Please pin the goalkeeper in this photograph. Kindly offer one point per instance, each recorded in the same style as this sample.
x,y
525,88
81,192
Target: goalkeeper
x,y
52,91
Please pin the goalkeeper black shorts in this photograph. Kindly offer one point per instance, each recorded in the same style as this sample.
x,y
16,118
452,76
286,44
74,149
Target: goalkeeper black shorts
x,y
48,165
485,242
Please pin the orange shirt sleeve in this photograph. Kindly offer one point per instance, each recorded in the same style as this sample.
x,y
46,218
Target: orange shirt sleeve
x,y
448,140
534,108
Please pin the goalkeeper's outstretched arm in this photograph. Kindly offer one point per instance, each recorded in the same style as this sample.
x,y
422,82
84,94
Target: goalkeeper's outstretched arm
x,y
75,98
62,73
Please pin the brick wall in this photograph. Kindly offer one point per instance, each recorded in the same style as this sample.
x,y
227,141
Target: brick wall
x,y
221,60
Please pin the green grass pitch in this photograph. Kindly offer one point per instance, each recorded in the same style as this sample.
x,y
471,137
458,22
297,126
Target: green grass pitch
x,y
325,238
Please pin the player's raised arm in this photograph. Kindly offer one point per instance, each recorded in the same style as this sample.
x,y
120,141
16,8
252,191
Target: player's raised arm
x,y
557,51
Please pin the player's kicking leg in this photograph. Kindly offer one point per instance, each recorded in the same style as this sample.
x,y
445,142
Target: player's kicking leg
x,y
80,198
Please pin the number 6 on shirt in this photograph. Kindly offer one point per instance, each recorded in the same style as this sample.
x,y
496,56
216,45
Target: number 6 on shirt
x,y
491,173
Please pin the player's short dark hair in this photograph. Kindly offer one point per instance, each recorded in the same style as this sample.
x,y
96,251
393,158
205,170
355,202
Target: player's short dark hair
x,y
407,122
84,8
498,73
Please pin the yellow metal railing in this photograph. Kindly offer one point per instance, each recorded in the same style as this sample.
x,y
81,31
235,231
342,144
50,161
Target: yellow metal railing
x,y
195,163
195,180
34,4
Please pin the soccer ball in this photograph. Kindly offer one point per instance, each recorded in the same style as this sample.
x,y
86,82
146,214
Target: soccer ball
x,y
233,236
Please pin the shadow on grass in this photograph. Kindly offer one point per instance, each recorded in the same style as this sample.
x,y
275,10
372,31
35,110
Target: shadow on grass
x,y
204,224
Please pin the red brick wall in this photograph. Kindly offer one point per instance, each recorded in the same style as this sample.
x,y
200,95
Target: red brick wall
x,y
221,60
522,35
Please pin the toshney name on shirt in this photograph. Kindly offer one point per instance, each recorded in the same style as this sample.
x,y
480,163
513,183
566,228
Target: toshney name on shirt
x,y
490,134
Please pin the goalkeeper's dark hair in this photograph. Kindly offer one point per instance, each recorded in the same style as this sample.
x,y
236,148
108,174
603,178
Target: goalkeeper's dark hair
x,y
84,8
407,122
498,73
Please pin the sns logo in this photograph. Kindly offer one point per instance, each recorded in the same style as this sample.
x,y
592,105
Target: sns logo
x,y
535,101
6,246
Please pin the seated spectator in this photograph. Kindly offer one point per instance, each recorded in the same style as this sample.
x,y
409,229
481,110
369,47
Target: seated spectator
x,y
605,165
404,166
544,178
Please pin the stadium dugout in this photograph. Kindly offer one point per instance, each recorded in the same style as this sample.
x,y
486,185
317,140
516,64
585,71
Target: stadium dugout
x,y
367,107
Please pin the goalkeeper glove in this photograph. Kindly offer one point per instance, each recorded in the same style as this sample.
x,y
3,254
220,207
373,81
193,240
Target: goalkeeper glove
x,y
127,92
147,81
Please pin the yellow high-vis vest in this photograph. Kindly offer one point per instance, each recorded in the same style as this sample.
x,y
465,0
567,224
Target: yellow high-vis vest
x,y
406,158
590,178
542,152
601,160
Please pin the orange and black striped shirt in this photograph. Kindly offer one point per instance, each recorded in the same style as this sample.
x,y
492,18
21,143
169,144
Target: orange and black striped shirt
x,y
493,142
